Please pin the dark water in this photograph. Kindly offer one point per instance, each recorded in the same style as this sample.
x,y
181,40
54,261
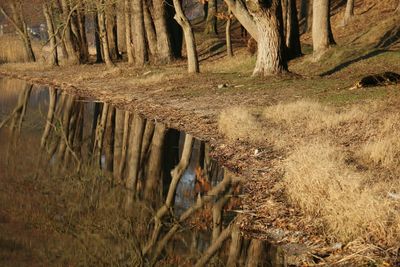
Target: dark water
x,y
67,189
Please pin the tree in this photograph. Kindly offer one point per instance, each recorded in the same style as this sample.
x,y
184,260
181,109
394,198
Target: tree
x,y
164,51
103,33
228,34
240,11
47,11
305,16
211,20
321,29
193,61
271,59
141,55
128,31
292,34
349,13
18,21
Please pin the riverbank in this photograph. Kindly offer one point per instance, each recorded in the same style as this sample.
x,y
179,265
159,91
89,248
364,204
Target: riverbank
x,y
228,108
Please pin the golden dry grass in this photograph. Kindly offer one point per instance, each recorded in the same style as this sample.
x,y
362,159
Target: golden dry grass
x,y
12,49
323,147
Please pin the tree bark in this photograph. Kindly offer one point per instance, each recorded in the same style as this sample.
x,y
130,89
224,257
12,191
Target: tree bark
x,y
164,51
103,35
128,32
211,21
141,55
97,41
52,37
193,62
150,31
271,58
70,42
321,28
349,12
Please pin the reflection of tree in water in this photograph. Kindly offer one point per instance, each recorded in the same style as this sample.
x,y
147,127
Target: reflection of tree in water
x,y
132,201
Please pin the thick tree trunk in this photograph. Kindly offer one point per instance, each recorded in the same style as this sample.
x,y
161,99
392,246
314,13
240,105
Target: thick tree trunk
x,y
240,11
81,21
229,49
292,31
50,31
150,31
121,25
193,62
138,22
164,51
128,31
321,28
211,21
271,58
349,12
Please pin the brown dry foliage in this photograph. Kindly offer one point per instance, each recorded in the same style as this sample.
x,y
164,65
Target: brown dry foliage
x,y
324,146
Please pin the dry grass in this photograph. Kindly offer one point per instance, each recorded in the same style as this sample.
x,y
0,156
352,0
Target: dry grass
x,y
12,49
384,148
323,147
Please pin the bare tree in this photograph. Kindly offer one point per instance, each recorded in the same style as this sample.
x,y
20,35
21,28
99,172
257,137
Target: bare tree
x,y
321,29
292,32
18,21
164,50
271,59
193,61
103,33
141,55
47,11
128,31
229,49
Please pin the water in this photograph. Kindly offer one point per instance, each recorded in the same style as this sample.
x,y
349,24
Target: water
x,y
70,195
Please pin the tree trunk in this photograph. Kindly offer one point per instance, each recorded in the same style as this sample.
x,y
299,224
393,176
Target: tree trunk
x,y
229,49
243,16
254,253
111,27
150,31
135,146
103,35
235,247
52,37
84,46
349,13
211,21
121,25
271,59
138,22
321,28
193,62
164,51
128,32
292,31
70,42
152,191
97,41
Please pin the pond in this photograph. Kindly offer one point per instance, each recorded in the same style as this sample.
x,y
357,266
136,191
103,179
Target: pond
x,y
87,184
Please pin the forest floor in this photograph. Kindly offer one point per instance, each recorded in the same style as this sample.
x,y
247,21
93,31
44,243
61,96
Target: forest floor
x,y
210,105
